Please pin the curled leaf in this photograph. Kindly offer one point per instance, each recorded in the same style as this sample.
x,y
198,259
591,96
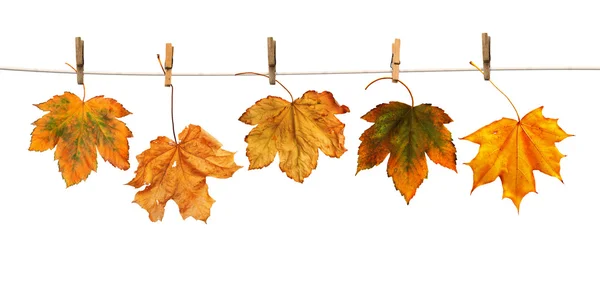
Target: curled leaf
x,y
178,171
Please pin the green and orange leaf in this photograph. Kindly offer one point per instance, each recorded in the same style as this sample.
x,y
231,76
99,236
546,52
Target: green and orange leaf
x,y
178,171
407,134
296,130
78,130
511,150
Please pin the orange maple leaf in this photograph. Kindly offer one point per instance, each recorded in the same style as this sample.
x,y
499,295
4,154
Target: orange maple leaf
x,y
511,150
78,129
178,171
295,130
406,133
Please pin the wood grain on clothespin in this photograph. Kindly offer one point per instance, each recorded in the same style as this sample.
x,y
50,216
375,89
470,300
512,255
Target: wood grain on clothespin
x,y
487,57
79,59
168,64
396,60
272,59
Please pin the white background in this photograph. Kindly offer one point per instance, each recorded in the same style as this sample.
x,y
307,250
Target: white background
x,y
338,238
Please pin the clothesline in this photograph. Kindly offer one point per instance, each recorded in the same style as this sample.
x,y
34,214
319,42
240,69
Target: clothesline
x,y
467,69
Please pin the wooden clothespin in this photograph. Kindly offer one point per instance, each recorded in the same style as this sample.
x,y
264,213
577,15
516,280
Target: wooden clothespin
x,y
168,63
395,60
79,59
487,56
272,59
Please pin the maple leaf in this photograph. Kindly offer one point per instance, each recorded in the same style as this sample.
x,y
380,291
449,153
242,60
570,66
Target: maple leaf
x,y
406,133
511,150
178,171
78,129
296,130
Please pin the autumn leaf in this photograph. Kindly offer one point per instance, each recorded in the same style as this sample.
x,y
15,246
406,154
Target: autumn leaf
x,y
511,150
78,129
178,171
296,130
406,133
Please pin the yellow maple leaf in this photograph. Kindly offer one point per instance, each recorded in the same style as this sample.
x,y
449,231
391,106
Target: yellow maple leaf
x,y
178,171
78,129
296,130
512,149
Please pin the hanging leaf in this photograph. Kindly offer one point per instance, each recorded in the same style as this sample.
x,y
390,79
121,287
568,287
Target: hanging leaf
x,y
295,130
178,171
511,150
78,129
406,133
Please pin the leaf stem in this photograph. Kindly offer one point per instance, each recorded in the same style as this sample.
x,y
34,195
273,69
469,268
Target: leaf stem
x,y
491,82
83,99
172,92
259,74
412,99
